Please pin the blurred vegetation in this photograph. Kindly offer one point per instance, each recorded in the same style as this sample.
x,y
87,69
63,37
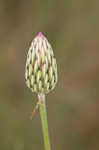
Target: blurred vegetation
x,y
72,28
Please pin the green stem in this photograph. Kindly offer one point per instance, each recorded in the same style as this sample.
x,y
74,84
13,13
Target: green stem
x,y
43,115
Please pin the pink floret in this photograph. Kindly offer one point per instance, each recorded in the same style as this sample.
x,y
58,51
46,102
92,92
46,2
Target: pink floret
x,y
40,34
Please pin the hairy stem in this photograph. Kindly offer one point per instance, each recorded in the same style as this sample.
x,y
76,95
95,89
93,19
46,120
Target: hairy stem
x,y
43,115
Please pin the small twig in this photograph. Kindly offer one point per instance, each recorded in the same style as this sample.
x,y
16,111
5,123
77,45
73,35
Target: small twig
x,y
36,108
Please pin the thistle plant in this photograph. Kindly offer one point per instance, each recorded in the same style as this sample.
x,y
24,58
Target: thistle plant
x,y
41,77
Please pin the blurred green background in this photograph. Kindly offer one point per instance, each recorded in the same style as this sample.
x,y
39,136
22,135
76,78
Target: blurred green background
x,y
72,27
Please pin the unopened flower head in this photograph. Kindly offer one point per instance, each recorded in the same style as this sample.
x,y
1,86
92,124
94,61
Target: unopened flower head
x,y
41,67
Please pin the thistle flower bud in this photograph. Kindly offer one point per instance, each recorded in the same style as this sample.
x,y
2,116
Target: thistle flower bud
x,y
41,67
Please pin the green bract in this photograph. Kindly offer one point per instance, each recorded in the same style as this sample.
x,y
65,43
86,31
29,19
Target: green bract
x,y
41,67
